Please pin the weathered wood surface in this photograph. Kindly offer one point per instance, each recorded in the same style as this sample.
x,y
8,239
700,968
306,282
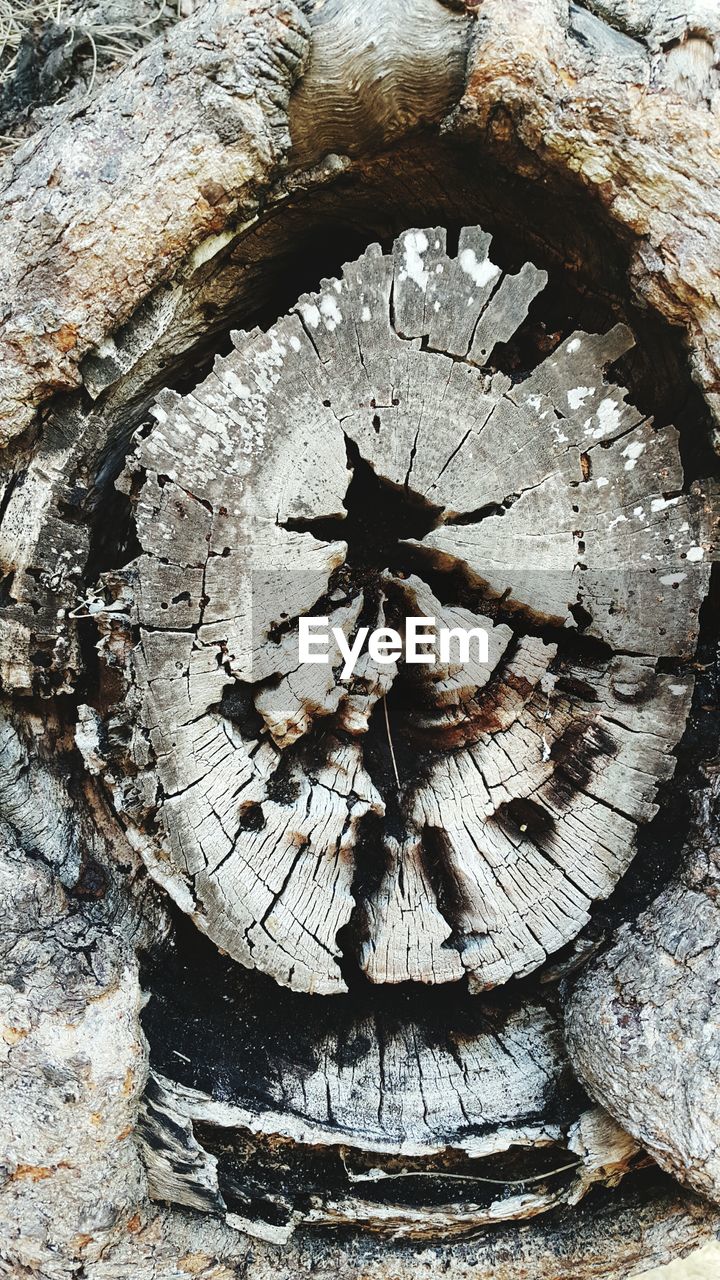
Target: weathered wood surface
x,y
651,66
112,200
623,99
526,786
74,1193
359,92
592,1150
185,143
643,1027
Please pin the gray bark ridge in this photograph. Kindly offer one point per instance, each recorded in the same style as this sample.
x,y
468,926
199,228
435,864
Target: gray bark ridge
x,y
643,1026
114,198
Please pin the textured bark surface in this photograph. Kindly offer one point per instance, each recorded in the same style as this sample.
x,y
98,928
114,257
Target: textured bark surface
x,y
643,1025
617,96
267,1117
112,199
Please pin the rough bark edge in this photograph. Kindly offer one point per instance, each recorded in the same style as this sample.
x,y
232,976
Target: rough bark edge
x,y
632,121
642,1023
114,197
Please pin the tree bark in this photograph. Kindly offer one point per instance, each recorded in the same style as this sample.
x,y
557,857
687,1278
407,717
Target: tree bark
x,y
302,974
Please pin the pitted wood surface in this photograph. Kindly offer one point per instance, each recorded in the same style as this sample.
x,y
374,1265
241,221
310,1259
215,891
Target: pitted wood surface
x,y
357,462
553,89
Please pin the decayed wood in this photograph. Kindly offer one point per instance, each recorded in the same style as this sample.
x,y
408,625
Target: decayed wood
x,y
160,171
591,1150
113,199
439,1098
74,1194
657,103
534,773
643,1024
614,95
472,1083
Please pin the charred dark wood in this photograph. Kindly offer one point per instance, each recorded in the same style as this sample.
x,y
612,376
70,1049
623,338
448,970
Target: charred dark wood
x,y
398,879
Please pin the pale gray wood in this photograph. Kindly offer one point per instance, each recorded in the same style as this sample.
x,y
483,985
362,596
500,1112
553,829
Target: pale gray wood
x,y
500,318
536,77
531,793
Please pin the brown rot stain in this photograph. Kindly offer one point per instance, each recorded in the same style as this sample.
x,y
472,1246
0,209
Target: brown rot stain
x,y
65,338
576,755
488,712
519,684
92,881
212,192
577,688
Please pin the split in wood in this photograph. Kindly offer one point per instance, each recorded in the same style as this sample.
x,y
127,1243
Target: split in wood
x,y
361,461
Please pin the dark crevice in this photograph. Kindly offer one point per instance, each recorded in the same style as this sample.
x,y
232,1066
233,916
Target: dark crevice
x,y
216,1026
210,1023
256,1178
379,516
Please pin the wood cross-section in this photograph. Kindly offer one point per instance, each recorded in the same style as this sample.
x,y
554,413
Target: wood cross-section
x,y
367,460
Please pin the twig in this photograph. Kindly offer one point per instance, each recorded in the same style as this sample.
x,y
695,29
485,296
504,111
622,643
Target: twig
x,y
377,1175
390,742
95,61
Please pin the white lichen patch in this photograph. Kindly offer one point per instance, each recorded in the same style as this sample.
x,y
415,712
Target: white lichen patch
x,y
415,244
632,452
330,312
310,314
481,272
607,418
576,396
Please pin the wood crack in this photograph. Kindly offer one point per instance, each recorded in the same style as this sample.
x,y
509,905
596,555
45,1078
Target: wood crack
x,y
363,461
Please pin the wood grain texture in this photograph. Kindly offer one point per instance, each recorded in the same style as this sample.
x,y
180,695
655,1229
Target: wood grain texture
x,y
527,778
114,198
612,94
621,100
360,92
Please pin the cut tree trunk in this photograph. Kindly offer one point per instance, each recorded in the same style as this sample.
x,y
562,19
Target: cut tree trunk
x,y
367,974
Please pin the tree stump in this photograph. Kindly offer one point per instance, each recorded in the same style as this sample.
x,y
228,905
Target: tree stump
x,y
360,971
365,463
